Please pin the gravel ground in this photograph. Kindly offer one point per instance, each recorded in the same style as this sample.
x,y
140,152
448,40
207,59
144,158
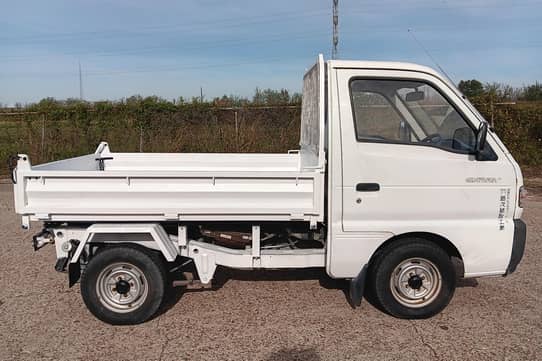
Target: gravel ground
x,y
298,315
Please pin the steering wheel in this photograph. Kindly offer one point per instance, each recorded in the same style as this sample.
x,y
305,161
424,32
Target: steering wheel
x,y
432,138
373,137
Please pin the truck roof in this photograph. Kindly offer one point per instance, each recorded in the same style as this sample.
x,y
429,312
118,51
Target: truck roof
x,y
389,65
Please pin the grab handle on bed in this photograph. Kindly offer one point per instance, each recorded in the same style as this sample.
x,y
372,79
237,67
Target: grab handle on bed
x,y
101,162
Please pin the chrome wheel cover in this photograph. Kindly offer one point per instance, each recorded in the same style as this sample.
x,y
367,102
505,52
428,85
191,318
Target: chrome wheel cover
x,y
122,287
415,282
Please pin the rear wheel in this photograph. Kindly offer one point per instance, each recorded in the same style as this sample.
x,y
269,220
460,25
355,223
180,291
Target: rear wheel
x,y
412,278
123,286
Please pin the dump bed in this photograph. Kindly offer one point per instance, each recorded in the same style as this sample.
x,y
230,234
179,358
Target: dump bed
x,y
107,186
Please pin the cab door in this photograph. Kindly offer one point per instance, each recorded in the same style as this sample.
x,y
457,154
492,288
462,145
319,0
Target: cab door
x,y
408,165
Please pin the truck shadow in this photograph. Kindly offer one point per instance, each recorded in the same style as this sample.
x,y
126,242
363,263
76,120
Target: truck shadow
x,y
287,354
224,275
467,282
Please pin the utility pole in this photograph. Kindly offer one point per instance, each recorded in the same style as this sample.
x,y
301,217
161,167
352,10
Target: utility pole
x,y
201,94
80,83
335,28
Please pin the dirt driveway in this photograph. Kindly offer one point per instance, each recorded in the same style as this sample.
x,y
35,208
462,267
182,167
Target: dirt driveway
x,y
264,316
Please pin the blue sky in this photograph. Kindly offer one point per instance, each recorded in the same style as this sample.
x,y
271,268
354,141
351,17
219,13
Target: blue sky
x,y
171,48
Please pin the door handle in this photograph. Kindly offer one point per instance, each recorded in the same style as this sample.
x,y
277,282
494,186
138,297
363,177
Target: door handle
x,y
367,187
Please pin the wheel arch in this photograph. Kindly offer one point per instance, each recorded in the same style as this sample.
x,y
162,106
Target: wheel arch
x,y
98,247
160,239
439,240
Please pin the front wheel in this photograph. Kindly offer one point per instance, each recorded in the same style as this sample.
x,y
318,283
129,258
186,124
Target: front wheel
x,y
412,278
123,286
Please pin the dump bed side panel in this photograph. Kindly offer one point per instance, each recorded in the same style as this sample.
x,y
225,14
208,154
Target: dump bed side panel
x,y
197,196
144,187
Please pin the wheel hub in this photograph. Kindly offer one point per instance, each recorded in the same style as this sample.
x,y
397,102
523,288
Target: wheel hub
x,y
122,287
415,282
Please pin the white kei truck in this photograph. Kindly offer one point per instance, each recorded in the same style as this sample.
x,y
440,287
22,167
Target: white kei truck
x,y
399,186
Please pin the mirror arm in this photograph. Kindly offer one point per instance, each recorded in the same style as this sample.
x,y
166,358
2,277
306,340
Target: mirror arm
x,y
481,139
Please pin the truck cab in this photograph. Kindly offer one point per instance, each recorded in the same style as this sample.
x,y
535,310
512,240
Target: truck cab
x,y
405,159
399,186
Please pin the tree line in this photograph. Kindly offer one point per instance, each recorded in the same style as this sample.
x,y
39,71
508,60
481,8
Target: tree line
x,y
474,88
268,97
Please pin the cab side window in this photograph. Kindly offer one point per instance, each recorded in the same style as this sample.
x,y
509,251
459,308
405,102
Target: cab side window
x,y
375,117
410,112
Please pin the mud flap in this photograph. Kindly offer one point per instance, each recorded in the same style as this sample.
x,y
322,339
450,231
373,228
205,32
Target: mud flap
x,y
74,268
60,265
74,272
357,285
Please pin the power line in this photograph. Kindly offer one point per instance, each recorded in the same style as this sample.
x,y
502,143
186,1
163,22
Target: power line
x,y
239,22
287,15
315,36
166,69
236,22
200,45
235,42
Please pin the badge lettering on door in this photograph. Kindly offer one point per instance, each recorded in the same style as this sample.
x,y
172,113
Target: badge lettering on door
x,y
481,180
504,205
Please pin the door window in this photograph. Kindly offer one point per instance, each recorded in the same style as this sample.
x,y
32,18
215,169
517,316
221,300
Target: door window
x,y
411,112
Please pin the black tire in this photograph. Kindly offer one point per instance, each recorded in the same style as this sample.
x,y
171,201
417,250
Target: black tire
x,y
401,261
143,280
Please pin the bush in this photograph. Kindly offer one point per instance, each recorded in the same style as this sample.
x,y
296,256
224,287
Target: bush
x,y
52,130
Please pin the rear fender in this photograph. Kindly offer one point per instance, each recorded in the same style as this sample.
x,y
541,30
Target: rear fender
x,y
113,233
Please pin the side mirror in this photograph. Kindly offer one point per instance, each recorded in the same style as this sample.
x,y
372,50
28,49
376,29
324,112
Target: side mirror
x,y
415,96
481,137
